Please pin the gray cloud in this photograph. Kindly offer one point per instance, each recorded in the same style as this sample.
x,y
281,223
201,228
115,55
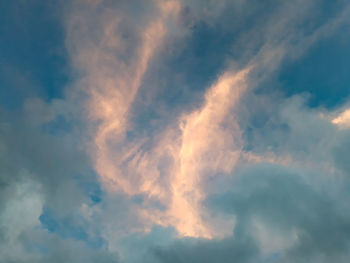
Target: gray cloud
x,y
313,225
41,170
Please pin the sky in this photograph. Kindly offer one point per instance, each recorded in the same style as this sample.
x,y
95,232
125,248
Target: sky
x,y
174,131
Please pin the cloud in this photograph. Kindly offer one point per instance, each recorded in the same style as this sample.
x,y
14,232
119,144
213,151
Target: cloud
x,y
39,170
198,144
343,120
220,170
270,203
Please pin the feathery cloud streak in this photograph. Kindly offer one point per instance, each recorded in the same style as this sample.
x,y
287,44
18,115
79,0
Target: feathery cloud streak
x,y
202,143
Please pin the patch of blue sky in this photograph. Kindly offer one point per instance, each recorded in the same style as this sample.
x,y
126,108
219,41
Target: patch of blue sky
x,y
90,186
203,57
33,60
59,126
67,228
323,73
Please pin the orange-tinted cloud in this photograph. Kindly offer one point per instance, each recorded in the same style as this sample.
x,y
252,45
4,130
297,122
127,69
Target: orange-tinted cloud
x,y
209,144
343,119
203,143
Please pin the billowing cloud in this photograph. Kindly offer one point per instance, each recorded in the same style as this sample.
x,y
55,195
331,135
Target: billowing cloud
x,y
280,218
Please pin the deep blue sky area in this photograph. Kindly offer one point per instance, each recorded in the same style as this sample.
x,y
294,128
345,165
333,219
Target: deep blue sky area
x,y
33,59
323,72
34,62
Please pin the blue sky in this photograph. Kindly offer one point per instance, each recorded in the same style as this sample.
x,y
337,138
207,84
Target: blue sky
x,y
174,131
33,51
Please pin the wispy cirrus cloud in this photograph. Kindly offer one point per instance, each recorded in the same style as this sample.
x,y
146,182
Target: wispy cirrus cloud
x,y
201,143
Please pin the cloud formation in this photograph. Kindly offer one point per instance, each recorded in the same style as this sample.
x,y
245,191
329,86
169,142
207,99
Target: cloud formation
x,y
175,139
